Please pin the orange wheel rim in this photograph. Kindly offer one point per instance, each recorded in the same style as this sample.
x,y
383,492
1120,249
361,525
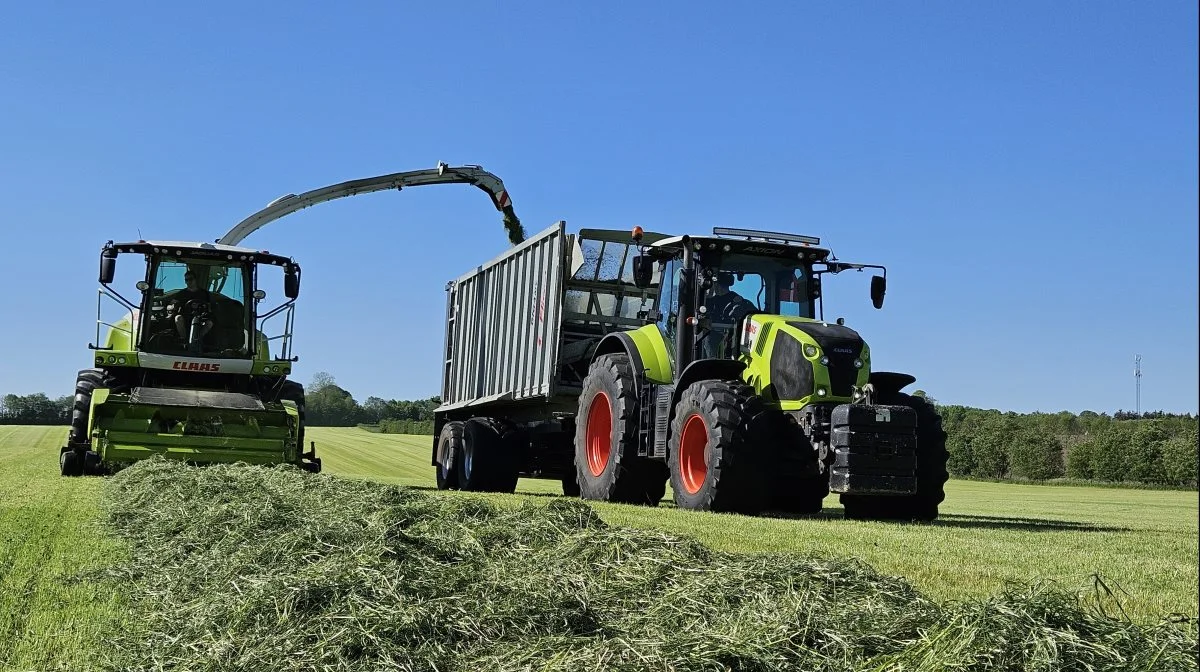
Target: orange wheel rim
x,y
693,469
599,434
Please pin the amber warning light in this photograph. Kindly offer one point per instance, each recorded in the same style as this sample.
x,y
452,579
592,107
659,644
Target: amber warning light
x,y
637,233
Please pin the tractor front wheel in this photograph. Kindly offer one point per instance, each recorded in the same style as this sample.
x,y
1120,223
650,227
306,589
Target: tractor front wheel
x,y
714,464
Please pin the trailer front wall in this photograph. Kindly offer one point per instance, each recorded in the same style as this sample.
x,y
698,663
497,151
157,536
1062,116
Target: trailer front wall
x,y
502,332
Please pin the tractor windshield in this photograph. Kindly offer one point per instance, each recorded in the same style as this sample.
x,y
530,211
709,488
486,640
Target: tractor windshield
x,y
772,285
198,307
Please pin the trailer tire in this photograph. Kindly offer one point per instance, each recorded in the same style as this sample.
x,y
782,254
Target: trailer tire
x,y
449,453
488,460
607,465
714,463
931,472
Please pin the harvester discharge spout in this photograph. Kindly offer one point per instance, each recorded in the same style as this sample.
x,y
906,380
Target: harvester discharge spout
x,y
442,174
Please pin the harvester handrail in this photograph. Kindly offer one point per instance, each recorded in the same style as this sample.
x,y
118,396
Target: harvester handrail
x,y
442,174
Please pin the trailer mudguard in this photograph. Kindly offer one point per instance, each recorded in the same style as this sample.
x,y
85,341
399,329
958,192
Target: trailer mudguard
x,y
647,350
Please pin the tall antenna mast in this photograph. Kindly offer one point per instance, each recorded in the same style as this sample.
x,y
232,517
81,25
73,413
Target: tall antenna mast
x,y
1137,377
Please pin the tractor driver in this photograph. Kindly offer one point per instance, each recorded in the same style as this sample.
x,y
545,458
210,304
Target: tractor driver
x,y
723,304
186,304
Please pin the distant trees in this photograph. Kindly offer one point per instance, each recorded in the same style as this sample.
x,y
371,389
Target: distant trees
x,y
35,409
329,405
1153,448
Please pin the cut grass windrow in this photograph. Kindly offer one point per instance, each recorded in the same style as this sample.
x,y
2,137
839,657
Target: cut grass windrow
x,y
241,568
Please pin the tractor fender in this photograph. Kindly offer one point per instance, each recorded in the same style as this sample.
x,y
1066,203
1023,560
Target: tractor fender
x,y
647,350
887,382
704,369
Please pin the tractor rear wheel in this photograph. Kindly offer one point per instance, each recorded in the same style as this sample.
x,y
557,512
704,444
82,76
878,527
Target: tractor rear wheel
x,y
607,465
931,471
714,463
488,460
449,453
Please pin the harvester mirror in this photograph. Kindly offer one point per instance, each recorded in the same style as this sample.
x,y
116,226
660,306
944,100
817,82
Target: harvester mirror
x,y
878,288
643,270
291,282
108,266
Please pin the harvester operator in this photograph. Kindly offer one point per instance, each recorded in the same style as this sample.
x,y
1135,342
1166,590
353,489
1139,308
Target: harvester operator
x,y
188,303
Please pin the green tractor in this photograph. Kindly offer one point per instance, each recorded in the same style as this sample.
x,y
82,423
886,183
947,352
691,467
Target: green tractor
x,y
187,372
740,394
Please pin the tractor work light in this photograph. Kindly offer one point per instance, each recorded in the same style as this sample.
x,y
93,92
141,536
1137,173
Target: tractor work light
x,y
810,350
765,235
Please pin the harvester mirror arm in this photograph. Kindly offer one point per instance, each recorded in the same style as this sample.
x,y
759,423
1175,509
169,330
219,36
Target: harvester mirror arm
x,y
443,174
836,267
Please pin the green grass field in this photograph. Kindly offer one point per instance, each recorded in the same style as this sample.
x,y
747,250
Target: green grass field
x,y
1142,541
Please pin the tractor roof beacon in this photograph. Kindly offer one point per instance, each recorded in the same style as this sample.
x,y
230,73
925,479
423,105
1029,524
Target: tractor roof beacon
x,y
617,363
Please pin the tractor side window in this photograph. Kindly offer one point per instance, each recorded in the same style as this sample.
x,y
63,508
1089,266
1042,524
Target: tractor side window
x,y
668,298
793,293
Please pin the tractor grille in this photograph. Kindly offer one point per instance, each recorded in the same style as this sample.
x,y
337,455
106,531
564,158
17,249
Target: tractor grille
x,y
791,373
842,346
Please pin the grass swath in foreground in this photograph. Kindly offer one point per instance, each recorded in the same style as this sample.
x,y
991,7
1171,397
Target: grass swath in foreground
x,y
248,568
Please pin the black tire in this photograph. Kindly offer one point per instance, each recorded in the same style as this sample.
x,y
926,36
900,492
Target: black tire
x,y
714,462
570,486
70,462
294,392
449,453
86,382
607,466
931,471
804,495
488,461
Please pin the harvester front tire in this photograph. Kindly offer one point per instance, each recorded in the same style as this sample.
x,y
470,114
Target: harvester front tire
x,y
607,466
294,392
488,460
449,454
86,382
714,463
931,472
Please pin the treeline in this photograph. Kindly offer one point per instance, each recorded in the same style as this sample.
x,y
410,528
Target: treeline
x,y
1152,448
35,409
328,405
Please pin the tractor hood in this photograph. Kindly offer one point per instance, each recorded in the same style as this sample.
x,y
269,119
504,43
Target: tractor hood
x,y
799,360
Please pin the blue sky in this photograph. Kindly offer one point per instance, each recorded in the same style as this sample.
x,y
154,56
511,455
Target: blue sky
x,y
1026,170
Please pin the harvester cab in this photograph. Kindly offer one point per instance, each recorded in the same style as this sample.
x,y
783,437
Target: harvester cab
x,y
189,370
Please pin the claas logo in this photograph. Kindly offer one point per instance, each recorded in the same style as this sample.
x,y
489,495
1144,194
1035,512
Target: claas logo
x,y
195,366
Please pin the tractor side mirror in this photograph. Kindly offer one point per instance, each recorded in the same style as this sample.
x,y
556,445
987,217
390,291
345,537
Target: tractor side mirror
x,y
108,265
643,270
291,282
878,288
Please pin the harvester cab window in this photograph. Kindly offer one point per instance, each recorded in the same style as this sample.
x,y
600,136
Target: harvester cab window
x,y
198,307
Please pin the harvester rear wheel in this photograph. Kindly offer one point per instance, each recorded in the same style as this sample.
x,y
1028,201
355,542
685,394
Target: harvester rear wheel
x,y
449,454
607,466
714,463
931,471
70,463
488,459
